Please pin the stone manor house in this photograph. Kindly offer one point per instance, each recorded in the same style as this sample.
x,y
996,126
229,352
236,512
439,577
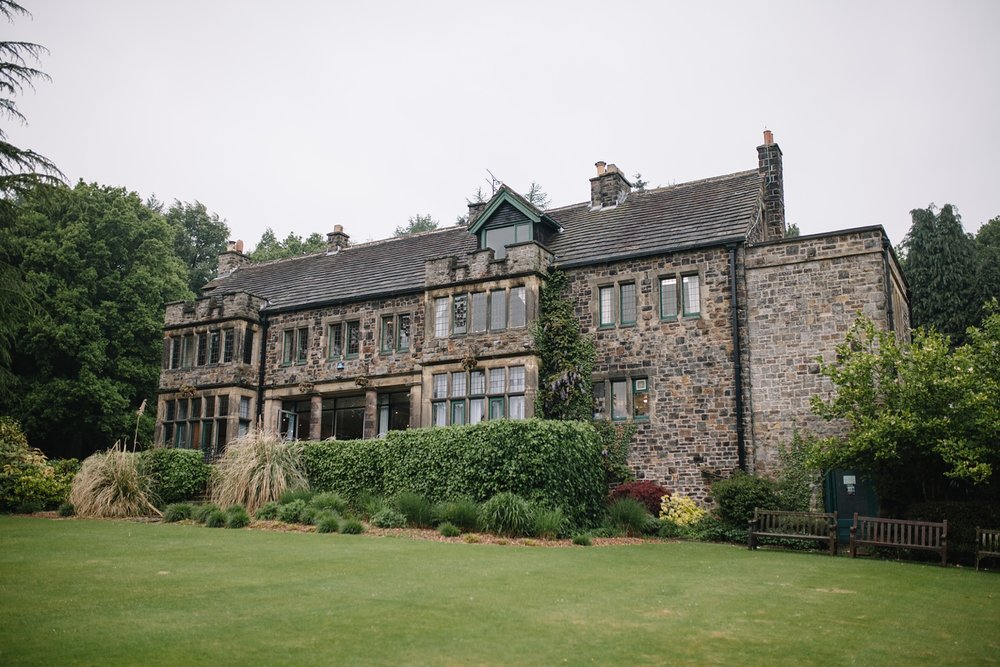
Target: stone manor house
x,y
707,322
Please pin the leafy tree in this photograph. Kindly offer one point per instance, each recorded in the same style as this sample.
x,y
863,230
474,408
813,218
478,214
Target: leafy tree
x,y
416,224
102,265
199,237
535,195
566,356
638,183
792,231
988,245
922,418
939,262
269,247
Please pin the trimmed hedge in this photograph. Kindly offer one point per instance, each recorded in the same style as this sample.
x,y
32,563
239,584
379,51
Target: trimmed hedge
x,y
557,463
175,474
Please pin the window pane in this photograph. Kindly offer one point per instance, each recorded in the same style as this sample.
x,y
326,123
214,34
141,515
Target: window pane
x,y
195,408
175,352
288,347
498,310
228,342
439,413
477,410
388,333
497,380
458,384
302,346
516,379
605,295
640,398
628,303
619,399
668,298
223,405
692,295
213,347
353,338
441,318
516,407
522,233
461,314
496,408
600,400
457,412
517,307
248,347
244,407
439,386
335,341
182,409
479,312
477,383
202,349
188,351
171,410
498,239
404,333
210,406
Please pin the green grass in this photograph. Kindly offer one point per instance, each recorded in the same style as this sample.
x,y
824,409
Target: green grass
x,y
112,592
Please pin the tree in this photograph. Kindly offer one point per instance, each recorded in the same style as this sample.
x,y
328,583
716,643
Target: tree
x,y
988,246
792,231
416,224
922,418
566,356
269,248
199,237
103,266
537,196
638,183
939,262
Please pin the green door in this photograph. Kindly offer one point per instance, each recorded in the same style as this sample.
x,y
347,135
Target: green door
x,y
847,492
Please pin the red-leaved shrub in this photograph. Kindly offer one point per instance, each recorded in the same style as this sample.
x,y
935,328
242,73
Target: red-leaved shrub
x,y
648,493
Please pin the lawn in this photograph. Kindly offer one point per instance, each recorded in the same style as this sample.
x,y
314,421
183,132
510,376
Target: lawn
x,y
104,592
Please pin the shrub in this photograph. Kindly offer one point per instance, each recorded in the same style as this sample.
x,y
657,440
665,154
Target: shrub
x,y
308,515
26,476
558,463
389,518
110,484
415,507
614,440
29,507
174,474
66,509
713,529
298,493
351,527
548,523
650,494
215,519
267,511
200,512
237,517
463,513
963,518
177,512
680,510
327,522
449,529
290,512
328,501
737,497
581,539
369,504
506,513
257,468
629,516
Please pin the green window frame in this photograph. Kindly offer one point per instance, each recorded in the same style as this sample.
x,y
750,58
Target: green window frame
x,y
640,398
460,314
388,334
335,341
619,400
668,298
497,407
627,303
606,306
403,332
353,339
691,294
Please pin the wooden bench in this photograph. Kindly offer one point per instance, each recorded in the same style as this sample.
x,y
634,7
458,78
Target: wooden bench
x,y
987,544
820,526
899,534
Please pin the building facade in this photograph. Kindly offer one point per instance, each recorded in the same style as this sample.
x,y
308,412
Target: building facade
x,y
707,322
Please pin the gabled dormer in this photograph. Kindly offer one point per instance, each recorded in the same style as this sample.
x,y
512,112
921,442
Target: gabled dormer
x,y
509,218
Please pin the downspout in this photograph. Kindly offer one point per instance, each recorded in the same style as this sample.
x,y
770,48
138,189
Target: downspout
x,y
741,447
890,313
260,372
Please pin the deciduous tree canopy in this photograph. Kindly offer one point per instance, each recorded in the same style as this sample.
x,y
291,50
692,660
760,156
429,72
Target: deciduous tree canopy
x,y
269,247
199,237
416,224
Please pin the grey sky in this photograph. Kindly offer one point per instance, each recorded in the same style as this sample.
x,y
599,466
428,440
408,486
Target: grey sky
x,y
302,115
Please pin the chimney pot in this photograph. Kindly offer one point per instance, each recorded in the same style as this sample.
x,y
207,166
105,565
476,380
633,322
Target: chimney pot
x,y
337,239
609,187
239,245
338,229
601,164
768,137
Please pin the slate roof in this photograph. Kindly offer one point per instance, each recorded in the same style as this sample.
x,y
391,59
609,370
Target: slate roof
x,y
666,219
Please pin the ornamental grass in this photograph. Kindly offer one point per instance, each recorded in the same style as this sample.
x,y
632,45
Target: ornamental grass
x,y
111,485
258,468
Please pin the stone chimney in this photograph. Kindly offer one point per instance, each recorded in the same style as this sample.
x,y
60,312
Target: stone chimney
x,y
475,209
232,259
337,239
609,187
769,167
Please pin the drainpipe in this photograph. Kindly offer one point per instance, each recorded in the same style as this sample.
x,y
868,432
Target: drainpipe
x,y
889,307
741,446
260,372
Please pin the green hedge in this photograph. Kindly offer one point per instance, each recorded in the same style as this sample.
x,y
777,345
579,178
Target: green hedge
x,y
963,518
175,474
556,463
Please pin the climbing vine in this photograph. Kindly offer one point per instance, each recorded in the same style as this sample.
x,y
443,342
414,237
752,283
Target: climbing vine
x,y
566,354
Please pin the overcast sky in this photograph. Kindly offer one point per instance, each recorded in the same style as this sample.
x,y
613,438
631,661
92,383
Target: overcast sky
x,y
303,115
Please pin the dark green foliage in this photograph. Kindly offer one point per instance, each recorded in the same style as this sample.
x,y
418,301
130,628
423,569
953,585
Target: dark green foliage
x,y
175,474
650,494
199,237
797,476
415,507
389,517
215,519
566,355
27,477
269,247
463,513
736,497
295,494
327,522
66,509
177,512
449,530
369,504
351,527
581,540
940,263
200,512
548,523
615,439
237,517
291,512
328,501
29,507
713,529
416,224
558,463
988,245
267,512
308,515
506,513
629,516
963,519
